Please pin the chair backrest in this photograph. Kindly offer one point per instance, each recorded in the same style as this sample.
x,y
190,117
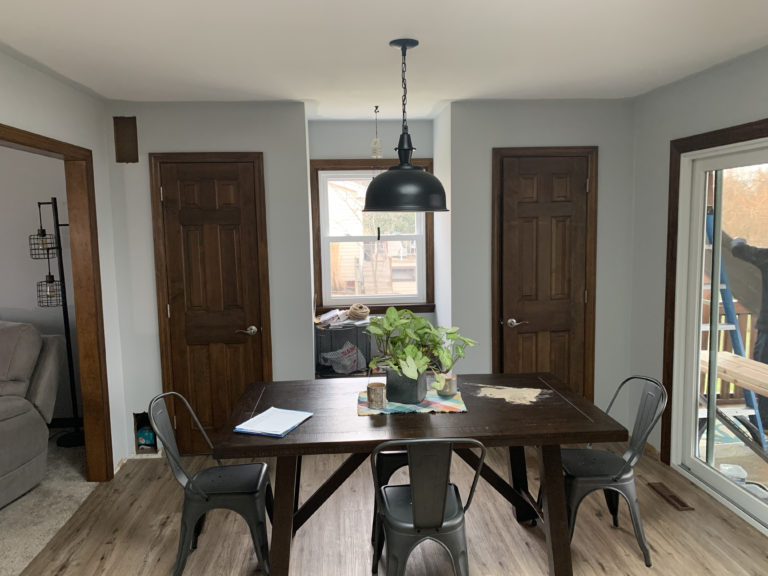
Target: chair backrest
x,y
429,466
161,424
651,404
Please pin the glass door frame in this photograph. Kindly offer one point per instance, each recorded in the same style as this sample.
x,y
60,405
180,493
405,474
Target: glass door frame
x,y
688,305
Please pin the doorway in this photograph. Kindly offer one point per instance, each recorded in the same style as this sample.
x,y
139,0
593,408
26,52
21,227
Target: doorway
x,y
210,235
544,250
78,169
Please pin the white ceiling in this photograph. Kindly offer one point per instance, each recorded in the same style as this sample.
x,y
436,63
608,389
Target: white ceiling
x,y
334,54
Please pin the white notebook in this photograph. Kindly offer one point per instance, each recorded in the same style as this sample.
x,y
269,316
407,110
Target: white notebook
x,y
273,422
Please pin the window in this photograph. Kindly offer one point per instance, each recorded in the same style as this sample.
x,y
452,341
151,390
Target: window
x,y
374,258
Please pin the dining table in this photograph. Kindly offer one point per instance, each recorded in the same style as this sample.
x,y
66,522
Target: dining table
x,y
502,410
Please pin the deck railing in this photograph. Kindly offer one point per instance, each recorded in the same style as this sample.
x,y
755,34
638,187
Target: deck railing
x,y
727,392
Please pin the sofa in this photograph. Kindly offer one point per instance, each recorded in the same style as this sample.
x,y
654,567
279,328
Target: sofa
x,y
31,367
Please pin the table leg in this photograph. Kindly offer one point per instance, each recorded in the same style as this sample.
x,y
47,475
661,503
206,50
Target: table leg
x,y
555,511
297,490
286,474
518,475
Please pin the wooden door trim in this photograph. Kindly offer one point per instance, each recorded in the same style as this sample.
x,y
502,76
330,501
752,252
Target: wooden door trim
x,y
713,139
84,247
590,153
158,233
317,166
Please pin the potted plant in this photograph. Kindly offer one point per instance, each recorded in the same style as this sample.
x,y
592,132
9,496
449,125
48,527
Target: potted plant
x,y
409,345
444,347
398,335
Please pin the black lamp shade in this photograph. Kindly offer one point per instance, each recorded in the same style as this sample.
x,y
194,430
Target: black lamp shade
x,y
405,187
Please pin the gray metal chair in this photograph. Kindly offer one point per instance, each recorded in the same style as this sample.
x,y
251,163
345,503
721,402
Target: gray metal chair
x,y
429,507
387,463
242,488
587,470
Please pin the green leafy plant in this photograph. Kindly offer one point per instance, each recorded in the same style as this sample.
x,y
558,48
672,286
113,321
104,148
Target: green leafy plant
x,y
411,345
445,347
398,337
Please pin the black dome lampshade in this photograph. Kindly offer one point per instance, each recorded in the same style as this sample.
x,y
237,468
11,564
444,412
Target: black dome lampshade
x,y
405,187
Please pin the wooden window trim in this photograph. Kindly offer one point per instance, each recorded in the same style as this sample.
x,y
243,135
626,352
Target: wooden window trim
x,y
317,166
722,137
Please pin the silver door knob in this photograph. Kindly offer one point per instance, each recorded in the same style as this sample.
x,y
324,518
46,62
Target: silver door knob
x,y
251,331
512,323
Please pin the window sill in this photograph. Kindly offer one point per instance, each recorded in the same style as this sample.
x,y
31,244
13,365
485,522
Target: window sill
x,y
380,308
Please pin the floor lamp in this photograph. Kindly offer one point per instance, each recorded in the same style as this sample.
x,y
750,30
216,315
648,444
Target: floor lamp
x,y
52,293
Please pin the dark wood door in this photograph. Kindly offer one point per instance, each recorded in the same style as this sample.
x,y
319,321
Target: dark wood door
x,y
543,289
215,282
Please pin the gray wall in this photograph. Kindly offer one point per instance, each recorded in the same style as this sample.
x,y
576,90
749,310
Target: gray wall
x,y
37,101
332,139
478,127
442,144
727,95
25,180
277,130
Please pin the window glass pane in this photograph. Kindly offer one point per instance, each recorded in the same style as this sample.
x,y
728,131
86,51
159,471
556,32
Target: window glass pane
x,y
346,198
727,406
374,268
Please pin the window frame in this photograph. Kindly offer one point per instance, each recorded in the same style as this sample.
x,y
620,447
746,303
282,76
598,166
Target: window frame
x,y
350,165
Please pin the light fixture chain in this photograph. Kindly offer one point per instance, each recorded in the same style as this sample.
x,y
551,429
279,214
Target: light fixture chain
x,y
405,94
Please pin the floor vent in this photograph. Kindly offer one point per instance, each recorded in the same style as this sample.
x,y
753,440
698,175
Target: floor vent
x,y
670,496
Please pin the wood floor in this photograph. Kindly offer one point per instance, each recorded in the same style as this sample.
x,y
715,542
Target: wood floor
x,y
130,526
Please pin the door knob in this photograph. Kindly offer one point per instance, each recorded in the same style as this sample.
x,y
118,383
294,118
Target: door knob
x,y
251,331
512,323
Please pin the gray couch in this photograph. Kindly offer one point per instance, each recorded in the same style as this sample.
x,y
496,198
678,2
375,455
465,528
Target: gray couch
x,y
31,367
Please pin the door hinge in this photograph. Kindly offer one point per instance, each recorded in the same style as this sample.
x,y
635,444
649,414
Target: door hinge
x,y
587,186
169,310
161,194
174,421
586,296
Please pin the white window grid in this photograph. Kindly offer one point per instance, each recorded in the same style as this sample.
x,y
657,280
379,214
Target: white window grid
x,y
419,237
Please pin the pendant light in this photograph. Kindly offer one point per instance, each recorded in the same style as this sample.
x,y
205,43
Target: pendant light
x,y
405,187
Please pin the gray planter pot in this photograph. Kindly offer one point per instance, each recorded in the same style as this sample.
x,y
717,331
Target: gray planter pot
x,y
405,390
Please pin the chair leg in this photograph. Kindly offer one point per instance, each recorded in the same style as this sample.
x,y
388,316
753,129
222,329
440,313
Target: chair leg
x,y
574,494
199,525
257,524
378,543
270,502
456,544
630,494
186,536
373,525
398,549
612,499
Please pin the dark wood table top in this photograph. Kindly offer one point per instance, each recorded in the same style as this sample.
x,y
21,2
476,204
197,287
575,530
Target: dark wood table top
x,y
557,416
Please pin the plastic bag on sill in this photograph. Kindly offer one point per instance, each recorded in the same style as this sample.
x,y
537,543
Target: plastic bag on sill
x,y
345,360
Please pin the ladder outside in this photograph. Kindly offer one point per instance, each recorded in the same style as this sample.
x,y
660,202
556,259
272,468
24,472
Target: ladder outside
x,y
732,323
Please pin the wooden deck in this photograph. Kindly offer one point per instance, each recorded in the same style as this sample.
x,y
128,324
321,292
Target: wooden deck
x,y
130,526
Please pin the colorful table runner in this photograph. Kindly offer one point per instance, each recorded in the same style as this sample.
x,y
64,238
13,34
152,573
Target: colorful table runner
x,y
432,403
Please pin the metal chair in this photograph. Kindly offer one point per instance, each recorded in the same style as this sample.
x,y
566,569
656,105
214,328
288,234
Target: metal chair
x,y
387,463
429,507
242,488
587,470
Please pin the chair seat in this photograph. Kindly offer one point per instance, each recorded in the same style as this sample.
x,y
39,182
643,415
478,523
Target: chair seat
x,y
398,506
233,479
588,463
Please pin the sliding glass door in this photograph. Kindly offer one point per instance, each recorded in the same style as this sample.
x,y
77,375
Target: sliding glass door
x,y
721,379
